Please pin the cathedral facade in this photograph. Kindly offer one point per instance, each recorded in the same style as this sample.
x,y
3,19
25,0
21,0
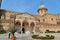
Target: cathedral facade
x,y
29,22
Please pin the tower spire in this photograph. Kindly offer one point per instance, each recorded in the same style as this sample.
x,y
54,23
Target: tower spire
x,y
42,5
0,3
41,2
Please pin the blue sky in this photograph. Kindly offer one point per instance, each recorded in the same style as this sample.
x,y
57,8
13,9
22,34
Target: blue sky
x,y
31,6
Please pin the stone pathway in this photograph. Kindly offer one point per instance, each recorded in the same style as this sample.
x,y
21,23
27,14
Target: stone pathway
x,y
18,37
27,36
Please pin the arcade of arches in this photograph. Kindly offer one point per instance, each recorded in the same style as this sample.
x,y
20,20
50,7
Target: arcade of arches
x,y
24,26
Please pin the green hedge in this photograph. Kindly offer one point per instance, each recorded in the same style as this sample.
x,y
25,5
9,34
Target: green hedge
x,y
58,31
48,31
2,31
51,32
42,37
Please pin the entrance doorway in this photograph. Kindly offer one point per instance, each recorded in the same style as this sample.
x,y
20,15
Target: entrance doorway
x,y
23,30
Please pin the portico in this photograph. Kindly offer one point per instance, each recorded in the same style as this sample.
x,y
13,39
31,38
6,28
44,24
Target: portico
x,y
24,25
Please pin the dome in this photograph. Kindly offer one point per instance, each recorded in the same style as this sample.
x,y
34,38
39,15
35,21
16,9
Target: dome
x,y
42,6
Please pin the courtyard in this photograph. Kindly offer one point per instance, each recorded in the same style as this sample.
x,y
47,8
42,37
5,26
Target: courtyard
x,y
27,36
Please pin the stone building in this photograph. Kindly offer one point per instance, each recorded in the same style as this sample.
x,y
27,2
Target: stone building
x,y
28,22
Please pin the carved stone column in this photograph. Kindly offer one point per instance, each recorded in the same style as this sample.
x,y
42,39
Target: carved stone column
x,y
21,27
34,28
29,26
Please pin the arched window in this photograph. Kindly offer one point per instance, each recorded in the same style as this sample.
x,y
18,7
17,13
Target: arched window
x,y
32,24
43,20
39,20
2,17
52,19
58,23
25,23
18,24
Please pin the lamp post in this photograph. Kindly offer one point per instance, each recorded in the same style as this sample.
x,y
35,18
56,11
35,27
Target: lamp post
x,y
14,23
0,3
13,17
13,37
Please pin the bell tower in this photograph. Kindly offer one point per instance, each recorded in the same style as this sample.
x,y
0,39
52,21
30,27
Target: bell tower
x,y
42,10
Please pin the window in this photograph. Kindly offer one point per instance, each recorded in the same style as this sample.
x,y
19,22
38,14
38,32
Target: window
x,y
52,19
39,20
2,17
7,17
21,17
30,18
43,20
58,22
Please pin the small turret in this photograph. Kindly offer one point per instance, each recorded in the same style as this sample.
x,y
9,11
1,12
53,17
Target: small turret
x,y
42,10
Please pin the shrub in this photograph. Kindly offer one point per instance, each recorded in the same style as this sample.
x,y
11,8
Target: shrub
x,y
52,37
47,31
34,36
42,37
2,31
47,35
58,31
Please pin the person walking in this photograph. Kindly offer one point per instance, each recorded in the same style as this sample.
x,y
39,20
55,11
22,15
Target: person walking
x,y
9,35
13,37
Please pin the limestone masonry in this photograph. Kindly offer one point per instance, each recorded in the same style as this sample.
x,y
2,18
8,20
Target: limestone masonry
x,y
29,22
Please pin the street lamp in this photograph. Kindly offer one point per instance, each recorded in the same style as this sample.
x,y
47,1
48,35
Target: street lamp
x,y
13,17
0,3
14,23
13,31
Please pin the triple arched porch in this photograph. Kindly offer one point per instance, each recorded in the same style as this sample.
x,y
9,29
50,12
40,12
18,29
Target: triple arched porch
x,y
24,26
